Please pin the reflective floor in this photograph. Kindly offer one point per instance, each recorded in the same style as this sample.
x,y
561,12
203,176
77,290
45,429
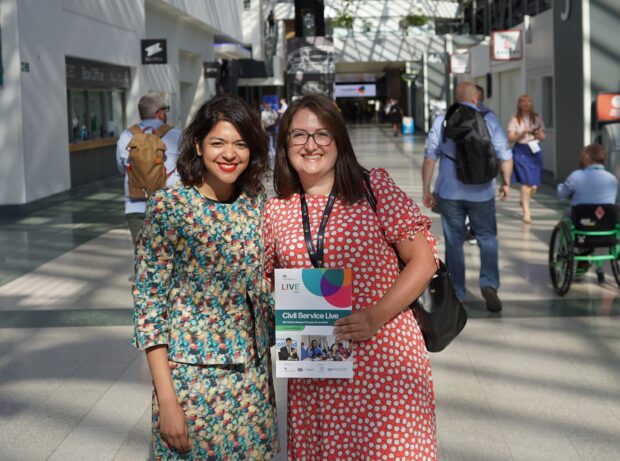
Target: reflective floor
x,y
541,381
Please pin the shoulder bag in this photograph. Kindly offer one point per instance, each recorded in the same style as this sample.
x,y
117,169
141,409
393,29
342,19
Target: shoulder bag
x,y
439,313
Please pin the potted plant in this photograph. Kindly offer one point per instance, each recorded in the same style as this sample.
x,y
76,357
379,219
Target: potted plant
x,y
412,20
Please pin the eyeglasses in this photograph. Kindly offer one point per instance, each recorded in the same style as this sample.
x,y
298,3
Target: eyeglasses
x,y
320,137
165,108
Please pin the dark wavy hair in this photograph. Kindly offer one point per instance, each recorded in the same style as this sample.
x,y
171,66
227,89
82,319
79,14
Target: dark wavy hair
x,y
349,174
236,111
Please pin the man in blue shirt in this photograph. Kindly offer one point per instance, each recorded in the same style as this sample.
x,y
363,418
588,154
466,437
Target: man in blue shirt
x,y
591,184
457,200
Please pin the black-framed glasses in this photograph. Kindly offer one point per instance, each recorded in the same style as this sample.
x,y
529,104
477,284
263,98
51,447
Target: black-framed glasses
x,y
165,108
320,137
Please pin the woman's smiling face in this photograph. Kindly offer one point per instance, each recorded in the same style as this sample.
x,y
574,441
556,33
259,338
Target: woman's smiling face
x,y
225,155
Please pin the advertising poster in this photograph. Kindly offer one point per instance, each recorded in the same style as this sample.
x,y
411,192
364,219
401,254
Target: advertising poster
x,y
308,303
310,66
358,90
460,63
506,45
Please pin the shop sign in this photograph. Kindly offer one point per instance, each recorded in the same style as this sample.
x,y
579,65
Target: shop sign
x,y
506,45
83,73
608,107
360,90
211,69
154,51
460,63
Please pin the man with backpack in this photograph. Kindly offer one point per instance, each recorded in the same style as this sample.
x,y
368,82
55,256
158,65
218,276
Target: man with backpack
x,y
472,148
146,153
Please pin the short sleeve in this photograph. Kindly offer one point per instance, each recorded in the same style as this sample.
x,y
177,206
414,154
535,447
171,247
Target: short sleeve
x,y
398,214
431,150
513,125
154,264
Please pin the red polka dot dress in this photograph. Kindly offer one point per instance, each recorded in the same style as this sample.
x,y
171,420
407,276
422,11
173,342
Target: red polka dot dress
x,y
387,411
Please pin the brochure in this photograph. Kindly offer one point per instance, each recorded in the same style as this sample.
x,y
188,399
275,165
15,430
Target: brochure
x,y
308,303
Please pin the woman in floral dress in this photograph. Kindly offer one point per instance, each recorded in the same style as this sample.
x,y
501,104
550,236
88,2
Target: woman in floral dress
x,y
387,410
202,312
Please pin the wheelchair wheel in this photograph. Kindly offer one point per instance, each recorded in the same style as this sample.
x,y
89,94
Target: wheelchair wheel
x,y
615,268
561,259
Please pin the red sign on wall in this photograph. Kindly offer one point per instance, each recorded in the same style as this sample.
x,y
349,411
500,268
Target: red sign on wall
x,y
608,107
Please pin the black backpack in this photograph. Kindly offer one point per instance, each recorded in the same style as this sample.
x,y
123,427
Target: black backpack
x,y
475,157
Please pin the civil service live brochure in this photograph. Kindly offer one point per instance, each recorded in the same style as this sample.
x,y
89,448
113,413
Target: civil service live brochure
x,y
308,303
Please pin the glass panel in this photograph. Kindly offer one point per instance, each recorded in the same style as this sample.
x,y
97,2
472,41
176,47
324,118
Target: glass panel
x,y
95,120
78,115
115,124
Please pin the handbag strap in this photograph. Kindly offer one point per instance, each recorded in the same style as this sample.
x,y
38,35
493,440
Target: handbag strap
x,y
372,200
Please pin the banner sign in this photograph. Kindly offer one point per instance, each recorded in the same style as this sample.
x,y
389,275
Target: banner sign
x,y
608,107
154,51
310,66
506,45
460,63
360,90
308,303
83,73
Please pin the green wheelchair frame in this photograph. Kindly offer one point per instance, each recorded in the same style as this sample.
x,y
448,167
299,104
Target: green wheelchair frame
x,y
562,258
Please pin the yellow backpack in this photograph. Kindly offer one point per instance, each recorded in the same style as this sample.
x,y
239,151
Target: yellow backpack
x,y
146,172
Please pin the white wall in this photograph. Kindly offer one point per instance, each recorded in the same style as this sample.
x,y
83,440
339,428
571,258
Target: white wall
x,y
33,115
12,167
188,47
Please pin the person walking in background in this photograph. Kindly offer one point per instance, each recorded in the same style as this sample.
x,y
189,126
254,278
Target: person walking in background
x,y
526,129
320,183
153,112
202,312
394,115
457,200
269,120
282,108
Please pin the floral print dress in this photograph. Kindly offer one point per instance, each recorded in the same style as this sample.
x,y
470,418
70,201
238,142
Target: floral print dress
x,y
199,290
387,411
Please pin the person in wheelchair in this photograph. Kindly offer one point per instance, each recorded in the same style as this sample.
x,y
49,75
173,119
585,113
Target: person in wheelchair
x,y
591,183
592,191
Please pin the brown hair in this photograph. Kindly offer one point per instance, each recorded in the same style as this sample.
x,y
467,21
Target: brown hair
x,y
533,116
234,110
349,174
596,152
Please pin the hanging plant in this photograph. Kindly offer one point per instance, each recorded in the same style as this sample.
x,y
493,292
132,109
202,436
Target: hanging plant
x,y
344,19
412,20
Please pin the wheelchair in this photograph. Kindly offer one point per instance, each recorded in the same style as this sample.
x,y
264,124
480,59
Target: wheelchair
x,y
577,238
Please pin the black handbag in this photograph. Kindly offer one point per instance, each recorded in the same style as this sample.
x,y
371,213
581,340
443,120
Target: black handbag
x,y
439,313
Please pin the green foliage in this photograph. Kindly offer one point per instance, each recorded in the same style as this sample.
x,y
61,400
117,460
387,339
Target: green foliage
x,y
414,20
344,18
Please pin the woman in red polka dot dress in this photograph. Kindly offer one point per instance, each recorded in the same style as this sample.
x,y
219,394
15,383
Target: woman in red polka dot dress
x,y
387,411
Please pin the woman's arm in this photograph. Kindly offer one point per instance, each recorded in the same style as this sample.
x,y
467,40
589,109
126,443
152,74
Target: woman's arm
x,y
419,269
172,422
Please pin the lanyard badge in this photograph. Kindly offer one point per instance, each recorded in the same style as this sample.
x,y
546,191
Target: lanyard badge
x,y
316,253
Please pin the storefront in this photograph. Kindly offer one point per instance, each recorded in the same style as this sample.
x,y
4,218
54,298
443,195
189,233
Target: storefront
x,y
96,116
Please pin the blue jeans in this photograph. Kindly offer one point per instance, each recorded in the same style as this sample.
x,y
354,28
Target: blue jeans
x,y
484,226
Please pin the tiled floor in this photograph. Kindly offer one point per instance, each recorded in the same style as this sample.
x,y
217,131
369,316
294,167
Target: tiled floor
x,y
541,381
